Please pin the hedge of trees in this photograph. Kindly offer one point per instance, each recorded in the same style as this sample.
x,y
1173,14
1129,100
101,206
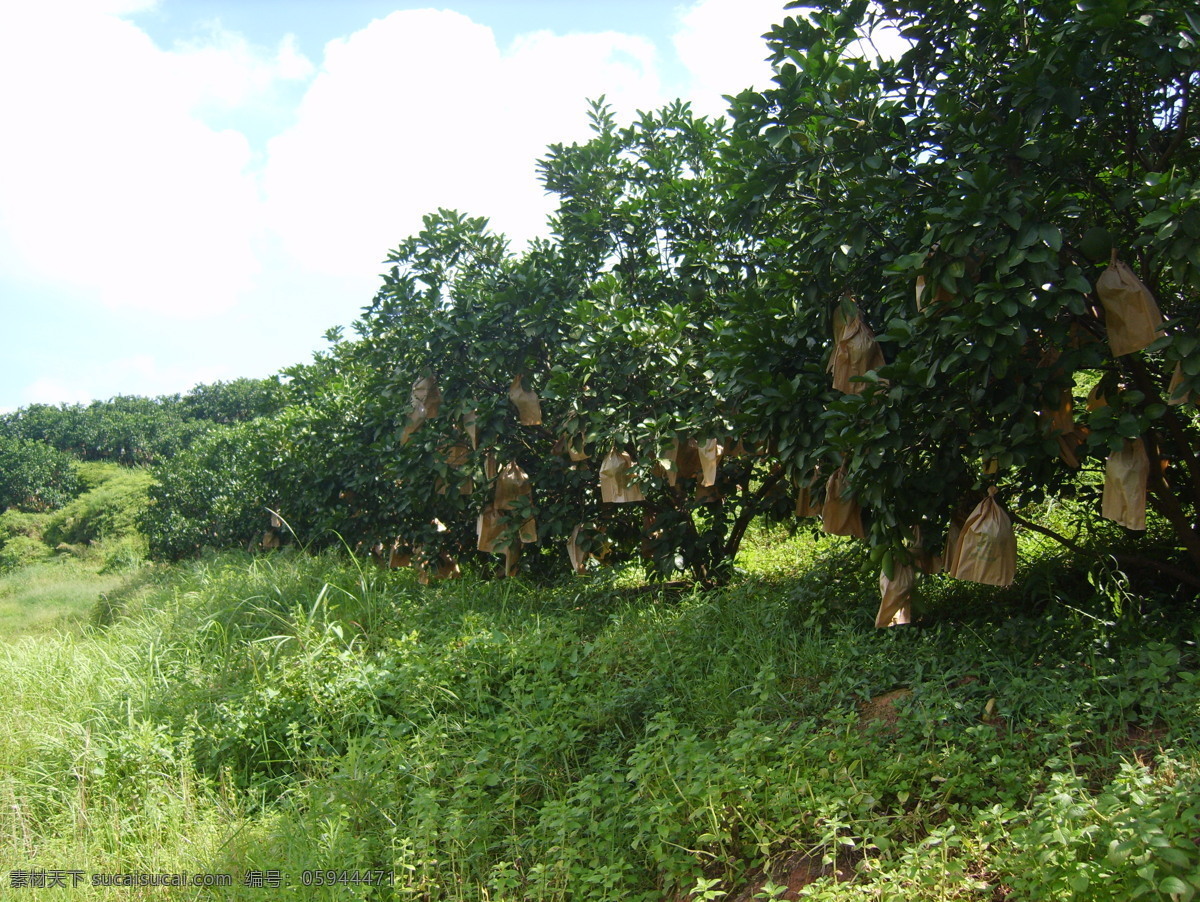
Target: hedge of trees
x,y
134,430
874,291
34,477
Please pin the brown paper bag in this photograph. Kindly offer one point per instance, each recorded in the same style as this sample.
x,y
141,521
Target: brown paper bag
x,y
488,529
399,555
1176,393
855,351
736,448
512,558
940,295
513,483
986,549
840,516
456,457
1131,315
668,462
577,447
426,399
616,480
922,287
1124,499
806,503
529,409
895,594
1059,423
710,456
687,459
947,560
577,555
445,568
922,559
470,426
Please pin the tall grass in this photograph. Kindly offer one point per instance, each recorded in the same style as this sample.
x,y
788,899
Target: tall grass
x,y
598,739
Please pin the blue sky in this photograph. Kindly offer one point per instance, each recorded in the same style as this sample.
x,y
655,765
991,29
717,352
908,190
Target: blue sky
x,y
195,190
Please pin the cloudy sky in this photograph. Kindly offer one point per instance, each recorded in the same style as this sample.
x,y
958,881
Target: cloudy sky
x,y
194,190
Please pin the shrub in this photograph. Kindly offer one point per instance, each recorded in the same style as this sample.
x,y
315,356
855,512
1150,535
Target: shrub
x,y
21,550
109,510
34,476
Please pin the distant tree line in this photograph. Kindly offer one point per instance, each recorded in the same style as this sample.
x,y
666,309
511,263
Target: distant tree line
x,y
40,443
135,430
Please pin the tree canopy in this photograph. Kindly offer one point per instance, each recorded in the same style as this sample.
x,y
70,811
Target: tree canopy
x,y
876,288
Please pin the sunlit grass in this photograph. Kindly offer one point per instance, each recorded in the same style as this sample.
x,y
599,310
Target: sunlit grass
x,y
594,738
59,594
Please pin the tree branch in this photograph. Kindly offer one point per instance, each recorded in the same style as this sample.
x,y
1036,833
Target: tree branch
x,y
1125,560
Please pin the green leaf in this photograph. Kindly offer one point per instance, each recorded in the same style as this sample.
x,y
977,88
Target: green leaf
x,y
1173,886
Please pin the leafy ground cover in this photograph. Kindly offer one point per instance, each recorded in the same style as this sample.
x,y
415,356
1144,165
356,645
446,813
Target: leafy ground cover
x,y
598,739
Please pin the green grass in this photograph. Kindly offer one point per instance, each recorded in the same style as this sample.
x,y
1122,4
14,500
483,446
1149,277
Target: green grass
x,y
596,739
54,595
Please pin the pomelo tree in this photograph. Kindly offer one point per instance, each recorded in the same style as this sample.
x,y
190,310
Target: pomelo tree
x,y
967,197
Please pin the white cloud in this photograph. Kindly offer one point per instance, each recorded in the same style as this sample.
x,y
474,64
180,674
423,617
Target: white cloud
x,y
226,71
883,42
422,110
113,186
720,43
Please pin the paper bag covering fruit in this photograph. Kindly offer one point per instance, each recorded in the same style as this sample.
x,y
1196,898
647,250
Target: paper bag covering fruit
x,y
512,483
616,479
1125,475
1059,423
456,456
737,448
922,559
944,562
681,460
426,399
1176,394
512,557
578,556
529,409
710,456
895,594
855,350
1131,315
488,529
940,295
986,548
840,516
668,462
577,447
806,503
399,555
444,568
470,422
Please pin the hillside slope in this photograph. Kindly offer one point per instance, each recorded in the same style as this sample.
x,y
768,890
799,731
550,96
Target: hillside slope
x,y
600,740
